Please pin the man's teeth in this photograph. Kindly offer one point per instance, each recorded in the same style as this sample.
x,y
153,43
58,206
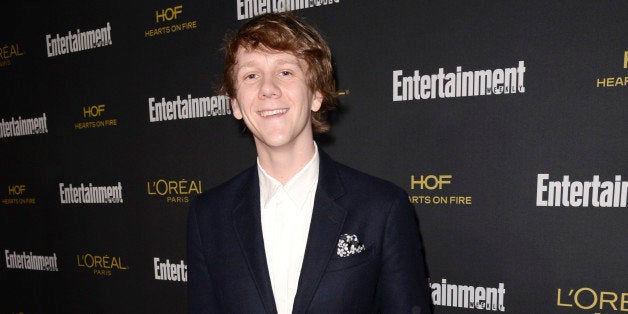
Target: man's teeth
x,y
272,112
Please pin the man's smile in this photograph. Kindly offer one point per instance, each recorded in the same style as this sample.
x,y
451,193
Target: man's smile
x,y
267,113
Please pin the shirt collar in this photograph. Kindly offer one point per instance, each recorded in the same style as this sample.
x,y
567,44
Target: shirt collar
x,y
297,188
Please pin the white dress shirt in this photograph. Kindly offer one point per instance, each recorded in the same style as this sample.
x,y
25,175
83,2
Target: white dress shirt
x,y
286,212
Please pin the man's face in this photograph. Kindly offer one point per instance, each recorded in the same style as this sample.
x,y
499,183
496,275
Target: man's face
x,y
273,98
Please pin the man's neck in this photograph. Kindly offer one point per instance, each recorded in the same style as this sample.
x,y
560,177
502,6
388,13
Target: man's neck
x,y
283,163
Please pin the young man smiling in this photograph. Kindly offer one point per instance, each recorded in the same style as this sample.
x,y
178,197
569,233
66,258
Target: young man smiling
x,y
275,101
298,232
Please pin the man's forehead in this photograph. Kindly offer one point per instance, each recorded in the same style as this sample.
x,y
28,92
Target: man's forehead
x,y
248,56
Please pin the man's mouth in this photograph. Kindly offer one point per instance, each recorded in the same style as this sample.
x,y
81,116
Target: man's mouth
x,y
268,113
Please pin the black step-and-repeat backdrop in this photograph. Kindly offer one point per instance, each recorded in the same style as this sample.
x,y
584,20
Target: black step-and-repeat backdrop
x,y
506,123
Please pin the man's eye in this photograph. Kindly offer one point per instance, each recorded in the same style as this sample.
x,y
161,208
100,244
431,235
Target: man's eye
x,y
285,73
250,76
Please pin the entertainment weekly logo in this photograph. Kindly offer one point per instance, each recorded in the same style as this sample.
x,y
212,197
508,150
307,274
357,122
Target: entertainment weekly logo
x,y
187,108
249,8
165,270
508,80
90,194
468,297
78,41
23,127
573,193
29,261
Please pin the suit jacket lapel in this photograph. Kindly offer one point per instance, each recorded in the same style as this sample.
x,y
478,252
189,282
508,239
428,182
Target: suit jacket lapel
x,y
248,226
325,228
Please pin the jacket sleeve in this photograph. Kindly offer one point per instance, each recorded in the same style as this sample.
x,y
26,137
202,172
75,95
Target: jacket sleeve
x,y
201,294
402,285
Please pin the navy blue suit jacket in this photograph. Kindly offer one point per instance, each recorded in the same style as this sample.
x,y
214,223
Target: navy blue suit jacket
x,y
227,270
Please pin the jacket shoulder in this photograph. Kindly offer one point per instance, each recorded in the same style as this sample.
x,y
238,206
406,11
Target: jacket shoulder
x,y
226,192
356,181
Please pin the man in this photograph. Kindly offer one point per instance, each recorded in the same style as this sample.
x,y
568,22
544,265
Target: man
x,y
298,232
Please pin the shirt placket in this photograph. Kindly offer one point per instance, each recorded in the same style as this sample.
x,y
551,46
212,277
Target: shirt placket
x,y
283,247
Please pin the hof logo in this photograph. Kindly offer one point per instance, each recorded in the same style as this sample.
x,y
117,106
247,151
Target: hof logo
x,y
250,8
8,52
17,189
94,112
166,15
433,182
100,265
17,196
468,297
586,298
430,182
615,80
175,191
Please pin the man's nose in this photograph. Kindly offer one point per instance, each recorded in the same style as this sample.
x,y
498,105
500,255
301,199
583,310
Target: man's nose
x,y
269,88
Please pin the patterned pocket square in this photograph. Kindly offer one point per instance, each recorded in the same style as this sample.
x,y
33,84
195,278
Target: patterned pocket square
x,y
348,245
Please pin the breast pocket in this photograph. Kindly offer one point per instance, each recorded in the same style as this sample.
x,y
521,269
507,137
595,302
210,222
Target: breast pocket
x,y
342,263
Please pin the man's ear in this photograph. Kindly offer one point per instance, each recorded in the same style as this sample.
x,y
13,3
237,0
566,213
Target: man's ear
x,y
317,101
237,113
